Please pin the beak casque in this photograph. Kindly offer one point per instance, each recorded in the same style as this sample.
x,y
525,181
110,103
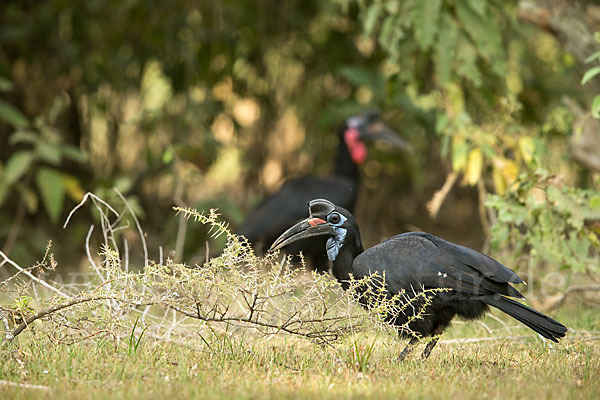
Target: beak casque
x,y
304,229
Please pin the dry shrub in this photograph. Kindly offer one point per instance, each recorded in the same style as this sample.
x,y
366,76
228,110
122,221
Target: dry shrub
x,y
237,291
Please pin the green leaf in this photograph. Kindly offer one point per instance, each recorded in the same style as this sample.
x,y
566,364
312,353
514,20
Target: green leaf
x,y
72,188
527,148
12,116
589,74
23,136
168,156
466,60
596,106
595,202
356,75
74,153
479,6
485,33
460,152
488,151
441,123
16,166
29,198
371,18
427,14
392,6
49,183
593,57
5,85
391,34
49,152
444,49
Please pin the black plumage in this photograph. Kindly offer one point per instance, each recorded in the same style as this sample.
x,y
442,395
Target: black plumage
x,y
288,205
417,261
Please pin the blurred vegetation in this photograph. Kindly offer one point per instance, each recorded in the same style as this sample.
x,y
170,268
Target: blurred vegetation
x,y
214,104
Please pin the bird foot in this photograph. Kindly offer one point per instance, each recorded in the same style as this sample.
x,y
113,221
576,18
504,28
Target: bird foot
x,y
408,349
429,348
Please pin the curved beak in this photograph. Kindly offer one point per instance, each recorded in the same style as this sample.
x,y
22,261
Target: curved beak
x,y
378,131
304,229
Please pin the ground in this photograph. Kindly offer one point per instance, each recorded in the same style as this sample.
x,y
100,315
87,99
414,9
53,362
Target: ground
x,y
513,364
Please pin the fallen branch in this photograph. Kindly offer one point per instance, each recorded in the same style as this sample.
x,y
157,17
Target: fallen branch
x,y
23,385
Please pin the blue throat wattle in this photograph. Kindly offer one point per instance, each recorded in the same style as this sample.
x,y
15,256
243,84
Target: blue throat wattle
x,y
335,243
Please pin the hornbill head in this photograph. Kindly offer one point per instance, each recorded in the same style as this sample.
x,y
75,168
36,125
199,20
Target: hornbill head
x,y
326,219
368,127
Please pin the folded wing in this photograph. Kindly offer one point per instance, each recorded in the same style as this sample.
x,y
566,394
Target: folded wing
x,y
415,259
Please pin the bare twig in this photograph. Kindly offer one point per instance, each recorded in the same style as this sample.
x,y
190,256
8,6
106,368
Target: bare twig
x,y
107,228
126,247
89,253
181,223
82,202
180,239
207,249
31,276
7,332
15,276
434,205
137,224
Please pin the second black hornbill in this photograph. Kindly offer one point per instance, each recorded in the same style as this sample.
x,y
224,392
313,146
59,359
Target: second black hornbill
x,y
468,281
288,205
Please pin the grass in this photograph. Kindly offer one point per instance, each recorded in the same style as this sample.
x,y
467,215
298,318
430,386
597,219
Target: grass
x,y
244,366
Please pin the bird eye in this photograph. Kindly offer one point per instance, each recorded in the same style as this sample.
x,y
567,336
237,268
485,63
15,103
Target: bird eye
x,y
334,218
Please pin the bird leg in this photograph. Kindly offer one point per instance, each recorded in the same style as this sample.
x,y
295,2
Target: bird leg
x,y
409,347
429,347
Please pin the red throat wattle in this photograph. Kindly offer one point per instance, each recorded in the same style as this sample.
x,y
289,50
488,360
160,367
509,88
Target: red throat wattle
x,y
357,149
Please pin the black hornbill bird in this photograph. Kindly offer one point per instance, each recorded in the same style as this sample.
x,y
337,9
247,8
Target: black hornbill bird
x,y
288,205
415,261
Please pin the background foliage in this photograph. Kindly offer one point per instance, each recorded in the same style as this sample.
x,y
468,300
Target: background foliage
x,y
214,104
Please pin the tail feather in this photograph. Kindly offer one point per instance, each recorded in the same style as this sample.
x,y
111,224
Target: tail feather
x,y
542,324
